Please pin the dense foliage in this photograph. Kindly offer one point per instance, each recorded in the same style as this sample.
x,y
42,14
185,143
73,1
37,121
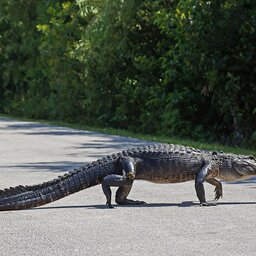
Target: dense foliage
x,y
180,68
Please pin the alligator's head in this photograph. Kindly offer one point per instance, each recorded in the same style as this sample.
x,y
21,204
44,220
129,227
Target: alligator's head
x,y
245,165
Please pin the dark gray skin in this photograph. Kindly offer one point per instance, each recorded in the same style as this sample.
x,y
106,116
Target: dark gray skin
x,y
159,163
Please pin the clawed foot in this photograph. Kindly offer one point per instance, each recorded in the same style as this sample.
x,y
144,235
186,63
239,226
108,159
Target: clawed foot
x,y
130,202
110,206
218,193
208,204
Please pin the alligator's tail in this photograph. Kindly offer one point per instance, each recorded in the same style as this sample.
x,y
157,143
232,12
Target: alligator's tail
x,y
24,197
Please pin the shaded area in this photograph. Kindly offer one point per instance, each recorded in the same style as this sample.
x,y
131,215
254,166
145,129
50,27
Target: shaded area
x,y
89,146
149,205
23,125
46,129
29,128
42,129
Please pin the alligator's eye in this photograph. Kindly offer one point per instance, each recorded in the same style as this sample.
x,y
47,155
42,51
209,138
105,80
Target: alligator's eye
x,y
252,158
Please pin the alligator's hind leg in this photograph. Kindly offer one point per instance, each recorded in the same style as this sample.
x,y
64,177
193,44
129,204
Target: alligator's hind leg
x,y
123,191
124,182
121,196
112,180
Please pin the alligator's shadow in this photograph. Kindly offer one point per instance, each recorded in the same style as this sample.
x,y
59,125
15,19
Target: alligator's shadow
x,y
150,205
106,207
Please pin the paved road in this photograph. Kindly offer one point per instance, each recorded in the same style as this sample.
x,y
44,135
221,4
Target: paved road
x,y
171,223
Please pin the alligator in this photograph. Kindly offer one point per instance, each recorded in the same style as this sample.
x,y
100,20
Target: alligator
x,y
157,163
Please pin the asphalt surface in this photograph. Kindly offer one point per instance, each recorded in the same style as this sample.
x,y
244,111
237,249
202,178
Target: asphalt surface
x,y
172,223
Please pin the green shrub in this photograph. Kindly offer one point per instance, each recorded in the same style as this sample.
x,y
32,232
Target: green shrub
x,y
179,68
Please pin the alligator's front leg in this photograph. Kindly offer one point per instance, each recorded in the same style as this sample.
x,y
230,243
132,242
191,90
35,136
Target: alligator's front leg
x,y
218,187
124,182
201,176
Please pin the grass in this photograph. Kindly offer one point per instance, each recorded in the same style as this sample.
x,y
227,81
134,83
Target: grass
x,y
157,138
